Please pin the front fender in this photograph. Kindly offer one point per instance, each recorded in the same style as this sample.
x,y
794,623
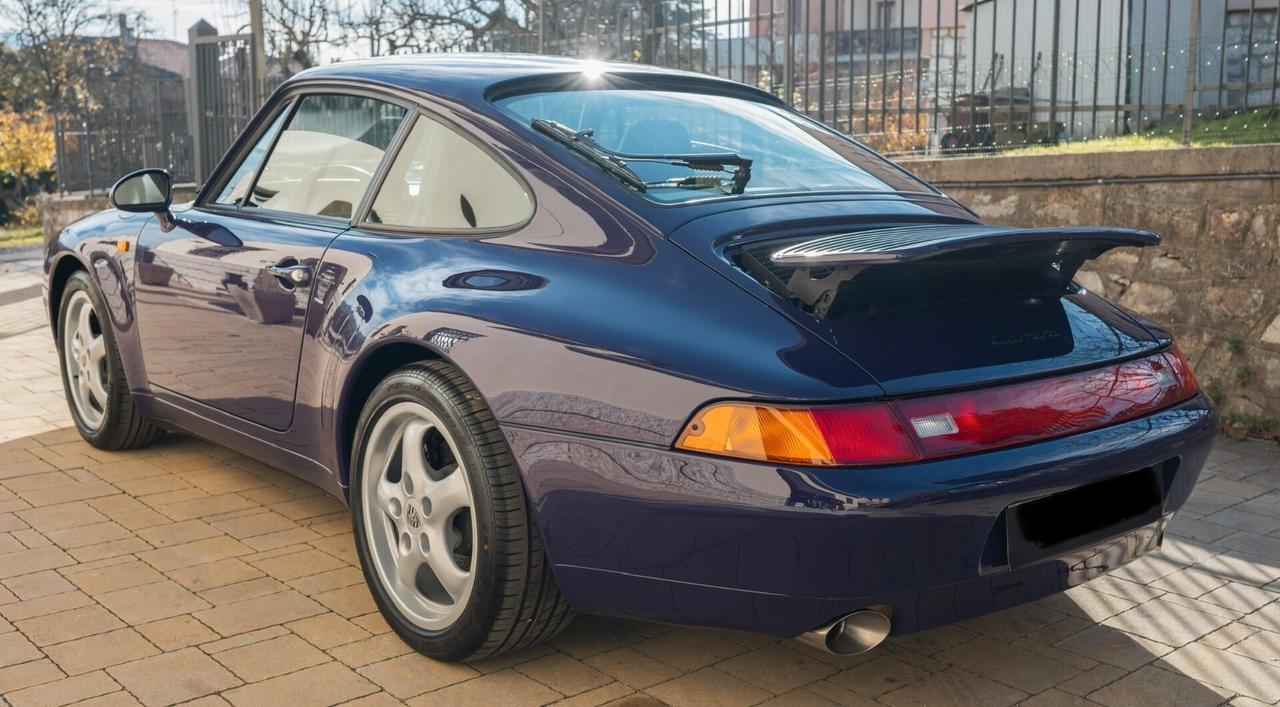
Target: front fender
x,y
102,245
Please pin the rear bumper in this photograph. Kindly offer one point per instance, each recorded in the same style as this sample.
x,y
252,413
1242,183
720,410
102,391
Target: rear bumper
x,y
662,535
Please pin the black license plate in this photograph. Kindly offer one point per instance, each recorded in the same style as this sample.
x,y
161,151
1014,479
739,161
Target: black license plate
x,y
1060,523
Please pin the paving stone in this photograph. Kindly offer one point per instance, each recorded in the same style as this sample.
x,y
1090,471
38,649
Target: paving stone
x,y
177,632
23,675
953,687
16,648
151,602
1056,698
267,659
632,667
1244,598
1167,622
242,616
14,564
413,674
1229,635
1190,582
689,649
109,578
370,650
64,691
194,553
1114,647
328,630
173,677
100,651
1231,671
214,574
326,684
1153,686
68,625
1016,622
878,676
776,668
708,687
564,674
17,611
38,584
1262,645
1092,679
1010,665
1268,617
609,694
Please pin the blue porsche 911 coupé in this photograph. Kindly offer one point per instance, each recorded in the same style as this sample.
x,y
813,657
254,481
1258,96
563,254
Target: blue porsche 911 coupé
x,y
604,338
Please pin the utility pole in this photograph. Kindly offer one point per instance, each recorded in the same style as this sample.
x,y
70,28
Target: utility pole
x,y
259,52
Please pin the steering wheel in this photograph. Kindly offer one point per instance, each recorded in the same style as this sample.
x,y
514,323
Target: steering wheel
x,y
336,171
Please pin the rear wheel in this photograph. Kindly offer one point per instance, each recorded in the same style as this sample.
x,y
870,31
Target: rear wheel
x,y
92,373
441,522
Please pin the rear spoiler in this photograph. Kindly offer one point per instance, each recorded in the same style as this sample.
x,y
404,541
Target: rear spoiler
x,y
880,269
905,244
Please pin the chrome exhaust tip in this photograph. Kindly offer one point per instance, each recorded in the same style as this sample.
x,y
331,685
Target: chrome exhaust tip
x,y
856,633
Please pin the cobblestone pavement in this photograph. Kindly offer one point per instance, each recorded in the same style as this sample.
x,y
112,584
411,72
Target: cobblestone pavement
x,y
188,572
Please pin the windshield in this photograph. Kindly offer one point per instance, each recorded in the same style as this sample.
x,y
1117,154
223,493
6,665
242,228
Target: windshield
x,y
785,152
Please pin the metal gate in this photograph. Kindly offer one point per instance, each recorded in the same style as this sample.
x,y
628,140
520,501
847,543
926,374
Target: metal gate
x,y
224,89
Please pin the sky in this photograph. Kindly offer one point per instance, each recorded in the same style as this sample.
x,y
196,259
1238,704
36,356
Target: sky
x,y
169,19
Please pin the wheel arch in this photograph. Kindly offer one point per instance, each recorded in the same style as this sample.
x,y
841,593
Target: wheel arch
x,y
62,270
366,373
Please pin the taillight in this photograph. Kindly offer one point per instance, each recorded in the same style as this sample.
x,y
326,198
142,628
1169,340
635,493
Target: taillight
x,y
1052,407
844,436
943,425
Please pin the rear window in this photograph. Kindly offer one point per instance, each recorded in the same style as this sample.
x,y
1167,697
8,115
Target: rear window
x,y
787,152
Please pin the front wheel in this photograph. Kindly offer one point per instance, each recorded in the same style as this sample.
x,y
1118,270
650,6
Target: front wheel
x,y
93,374
441,522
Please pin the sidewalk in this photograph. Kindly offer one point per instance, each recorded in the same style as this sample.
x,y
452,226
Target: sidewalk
x,y
187,572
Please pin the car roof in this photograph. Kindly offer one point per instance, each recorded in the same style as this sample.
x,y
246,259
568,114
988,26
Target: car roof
x,y
471,75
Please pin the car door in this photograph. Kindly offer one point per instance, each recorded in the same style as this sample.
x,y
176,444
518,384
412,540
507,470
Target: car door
x,y
223,287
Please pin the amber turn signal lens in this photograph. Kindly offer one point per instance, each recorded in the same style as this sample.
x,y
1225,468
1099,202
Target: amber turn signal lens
x,y
848,436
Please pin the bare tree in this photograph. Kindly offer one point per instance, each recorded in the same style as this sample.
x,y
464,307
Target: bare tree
x,y
55,54
296,30
380,25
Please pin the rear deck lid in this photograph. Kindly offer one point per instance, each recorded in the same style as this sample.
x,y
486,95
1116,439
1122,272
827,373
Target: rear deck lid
x,y
928,306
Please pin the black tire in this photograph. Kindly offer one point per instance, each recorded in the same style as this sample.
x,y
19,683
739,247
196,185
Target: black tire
x,y
515,602
122,426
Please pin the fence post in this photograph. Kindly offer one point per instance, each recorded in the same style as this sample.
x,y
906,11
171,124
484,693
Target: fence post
x,y
1193,61
259,52
196,79
1053,73
788,68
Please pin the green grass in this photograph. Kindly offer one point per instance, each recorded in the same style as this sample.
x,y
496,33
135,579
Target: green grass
x,y
20,236
1260,125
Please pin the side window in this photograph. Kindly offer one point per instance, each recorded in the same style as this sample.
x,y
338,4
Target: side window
x,y
326,156
237,186
442,180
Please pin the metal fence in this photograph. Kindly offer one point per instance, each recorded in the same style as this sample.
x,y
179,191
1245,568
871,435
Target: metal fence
x,y
950,76
130,120
907,76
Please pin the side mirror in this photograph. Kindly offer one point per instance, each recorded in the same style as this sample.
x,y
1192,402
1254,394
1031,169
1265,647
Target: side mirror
x,y
143,191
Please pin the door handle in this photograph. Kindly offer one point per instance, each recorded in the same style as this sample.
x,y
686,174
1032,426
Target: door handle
x,y
296,275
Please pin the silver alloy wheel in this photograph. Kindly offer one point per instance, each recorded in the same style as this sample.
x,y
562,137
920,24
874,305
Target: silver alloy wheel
x,y
84,353
419,517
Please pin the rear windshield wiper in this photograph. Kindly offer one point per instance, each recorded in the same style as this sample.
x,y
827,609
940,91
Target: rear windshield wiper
x,y
617,162
581,142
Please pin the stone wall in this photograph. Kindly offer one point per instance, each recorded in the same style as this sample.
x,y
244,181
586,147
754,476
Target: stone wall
x,y
1215,278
